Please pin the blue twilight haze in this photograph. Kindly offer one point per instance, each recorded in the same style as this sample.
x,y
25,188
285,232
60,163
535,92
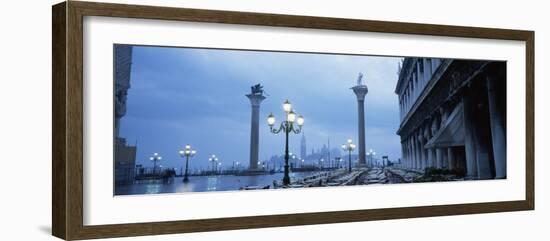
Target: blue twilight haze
x,y
192,96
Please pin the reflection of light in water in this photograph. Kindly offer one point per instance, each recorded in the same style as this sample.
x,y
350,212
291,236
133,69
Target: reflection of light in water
x,y
212,184
207,183
152,188
186,187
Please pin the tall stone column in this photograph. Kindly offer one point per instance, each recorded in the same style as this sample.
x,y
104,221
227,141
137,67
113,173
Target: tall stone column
x,y
497,116
360,91
255,101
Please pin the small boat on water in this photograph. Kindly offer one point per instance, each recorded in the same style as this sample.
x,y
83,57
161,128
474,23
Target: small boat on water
x,y
254,187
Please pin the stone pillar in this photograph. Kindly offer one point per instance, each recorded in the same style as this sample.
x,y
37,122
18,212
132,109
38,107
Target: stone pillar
x,y
412,153
427,70
482,157
255,101
497,116
411,97
482,137
360,91
444,158
436,121
418,153
426,135
421,76
451,164
431,157
416,158
409,153
439,158
415,151
409,163
469,143
403,156
482,153
422,153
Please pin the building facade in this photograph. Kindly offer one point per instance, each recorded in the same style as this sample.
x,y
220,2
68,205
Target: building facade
x,y
125,155
453,116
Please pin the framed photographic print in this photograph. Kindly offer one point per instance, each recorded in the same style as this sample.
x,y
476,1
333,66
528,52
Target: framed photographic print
x,y
171,120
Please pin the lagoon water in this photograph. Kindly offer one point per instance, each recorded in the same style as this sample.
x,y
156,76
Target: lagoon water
x,y
204,184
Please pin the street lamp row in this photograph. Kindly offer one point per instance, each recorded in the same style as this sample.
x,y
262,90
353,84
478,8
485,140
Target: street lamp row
x,y
155,158
187,152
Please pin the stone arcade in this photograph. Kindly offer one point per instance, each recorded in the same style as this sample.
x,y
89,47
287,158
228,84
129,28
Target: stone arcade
x,y
453,116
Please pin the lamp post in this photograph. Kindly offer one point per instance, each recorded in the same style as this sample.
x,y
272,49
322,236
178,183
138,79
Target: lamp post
x,y
213,159
349,147
187,152
287,126
371,154
155,158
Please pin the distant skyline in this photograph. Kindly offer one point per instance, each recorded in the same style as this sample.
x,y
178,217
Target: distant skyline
x,y
195,96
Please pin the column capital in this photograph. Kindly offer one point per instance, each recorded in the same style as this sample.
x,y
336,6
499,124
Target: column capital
x,y
255,99
360,91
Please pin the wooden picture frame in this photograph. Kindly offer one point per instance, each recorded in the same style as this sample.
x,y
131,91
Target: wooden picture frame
x,y
67,124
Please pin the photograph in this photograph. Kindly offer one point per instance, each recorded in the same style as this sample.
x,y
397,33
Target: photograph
x,y
191,119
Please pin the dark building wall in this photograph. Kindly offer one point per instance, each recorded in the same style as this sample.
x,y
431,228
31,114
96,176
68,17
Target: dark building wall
x,y
458,119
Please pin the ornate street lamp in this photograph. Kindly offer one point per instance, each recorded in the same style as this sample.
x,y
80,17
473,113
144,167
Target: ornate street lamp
x,y
187,152
288,126
155,158
349,147
213,159
371,154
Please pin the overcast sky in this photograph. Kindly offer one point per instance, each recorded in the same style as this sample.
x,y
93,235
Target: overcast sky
x,y
197,96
